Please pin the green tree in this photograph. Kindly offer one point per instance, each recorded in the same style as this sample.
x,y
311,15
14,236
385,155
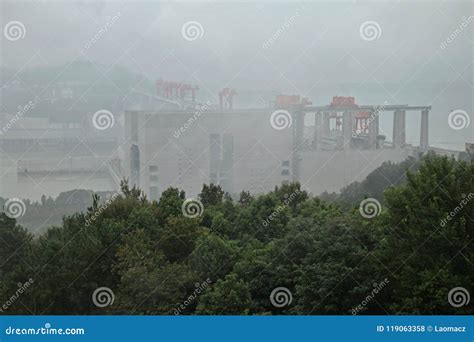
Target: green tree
x,y
178,238
230,296
339,270
169,204
149,283
213,257
211,195
430,253
17,264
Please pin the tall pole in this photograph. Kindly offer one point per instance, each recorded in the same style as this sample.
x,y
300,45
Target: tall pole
x,y
318,131
399,136
424,129
373,129
326,128
298,132
347,123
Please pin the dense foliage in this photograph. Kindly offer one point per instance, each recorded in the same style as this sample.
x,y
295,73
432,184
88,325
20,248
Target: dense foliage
x,y
328,256
374,185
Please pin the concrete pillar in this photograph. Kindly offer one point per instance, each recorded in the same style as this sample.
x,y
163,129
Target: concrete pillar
x,y
373,129
399,136
298,137
424,129
347,128
318,131
326,126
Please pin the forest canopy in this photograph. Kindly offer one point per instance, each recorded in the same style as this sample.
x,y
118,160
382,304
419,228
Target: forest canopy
x,y
283,252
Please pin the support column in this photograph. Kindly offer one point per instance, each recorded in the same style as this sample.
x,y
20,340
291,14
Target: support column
x,y
326,127
373,130
347,127
298,135
424,129
399,136
318,131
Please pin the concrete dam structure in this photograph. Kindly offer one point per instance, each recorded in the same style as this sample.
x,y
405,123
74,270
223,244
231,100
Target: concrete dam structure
x,y
257,149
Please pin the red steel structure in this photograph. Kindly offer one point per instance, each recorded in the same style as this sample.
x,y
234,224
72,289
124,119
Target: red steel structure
x,y
176,90
226,98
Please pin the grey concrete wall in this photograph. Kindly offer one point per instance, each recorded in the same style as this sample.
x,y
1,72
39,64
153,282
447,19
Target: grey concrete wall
x,y
183,156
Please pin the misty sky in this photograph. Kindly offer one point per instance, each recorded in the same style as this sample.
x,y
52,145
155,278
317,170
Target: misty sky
x,y
318,50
